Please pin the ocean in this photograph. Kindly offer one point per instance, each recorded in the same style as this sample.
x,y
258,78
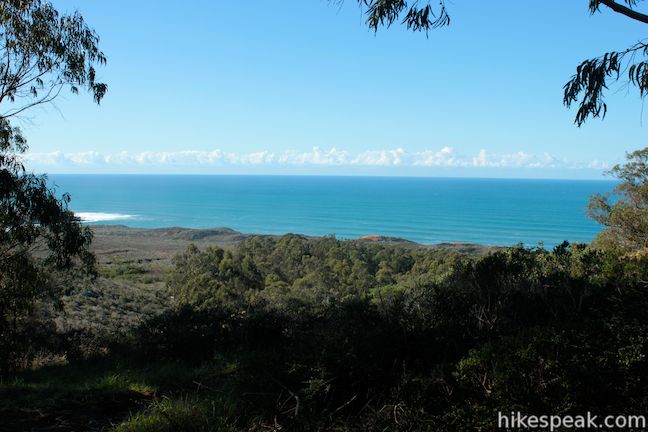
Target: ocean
x,y
425,210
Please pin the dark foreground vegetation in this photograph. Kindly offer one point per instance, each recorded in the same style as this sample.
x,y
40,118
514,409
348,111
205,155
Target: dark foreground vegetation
x,y
320,334
305,334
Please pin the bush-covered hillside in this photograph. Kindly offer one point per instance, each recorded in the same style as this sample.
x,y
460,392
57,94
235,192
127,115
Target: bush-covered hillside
x,y
293,333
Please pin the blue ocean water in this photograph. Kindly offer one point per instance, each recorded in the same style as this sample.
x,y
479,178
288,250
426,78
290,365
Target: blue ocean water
x,y
425,210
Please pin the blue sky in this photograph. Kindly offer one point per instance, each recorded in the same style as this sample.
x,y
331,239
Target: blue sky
x,y
304,87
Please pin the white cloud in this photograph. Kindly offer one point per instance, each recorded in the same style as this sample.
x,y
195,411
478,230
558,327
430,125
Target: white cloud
x,y
481,160
89,157
258,158
600,165
446,157
53,158
380,158
314,157
522,159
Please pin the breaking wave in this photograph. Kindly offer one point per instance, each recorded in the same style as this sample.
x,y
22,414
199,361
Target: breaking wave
x,y
102,217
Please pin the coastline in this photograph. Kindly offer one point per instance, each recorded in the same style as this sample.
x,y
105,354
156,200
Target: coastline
x,y
119,242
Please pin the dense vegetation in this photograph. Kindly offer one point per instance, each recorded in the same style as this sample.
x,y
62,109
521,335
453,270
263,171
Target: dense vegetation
x,y
624,212
312,334
344,334
294,333
42,243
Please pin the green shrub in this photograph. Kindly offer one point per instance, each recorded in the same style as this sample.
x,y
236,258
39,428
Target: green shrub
x,y
174,415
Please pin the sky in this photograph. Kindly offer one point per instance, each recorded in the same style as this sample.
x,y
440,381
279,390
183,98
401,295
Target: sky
x,y
304,87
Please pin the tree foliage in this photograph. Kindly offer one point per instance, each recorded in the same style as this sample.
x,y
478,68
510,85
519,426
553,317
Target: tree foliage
x,y
624,211
39,237
41,53
585,89
414,15
370,336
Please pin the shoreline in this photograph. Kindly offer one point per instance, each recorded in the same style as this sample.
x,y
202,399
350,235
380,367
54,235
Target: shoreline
x,y
164,243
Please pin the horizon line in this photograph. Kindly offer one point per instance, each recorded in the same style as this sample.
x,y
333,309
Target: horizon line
x,y
173,174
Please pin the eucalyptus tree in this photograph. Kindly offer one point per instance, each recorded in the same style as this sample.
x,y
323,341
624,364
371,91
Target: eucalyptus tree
x,y
585,89
624,211
42,53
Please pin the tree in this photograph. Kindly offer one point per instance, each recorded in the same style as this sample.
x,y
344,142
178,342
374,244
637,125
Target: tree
x,y
41,53
585,88
624,211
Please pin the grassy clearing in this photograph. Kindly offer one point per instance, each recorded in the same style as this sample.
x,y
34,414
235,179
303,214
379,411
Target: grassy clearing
x,y
103,395
126,294
185,413
79,397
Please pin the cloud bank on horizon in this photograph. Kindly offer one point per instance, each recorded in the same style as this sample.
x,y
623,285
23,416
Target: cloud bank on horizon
x,y
199,161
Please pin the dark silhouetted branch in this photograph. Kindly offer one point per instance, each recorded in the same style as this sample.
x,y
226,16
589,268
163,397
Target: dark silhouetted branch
x,y
631,13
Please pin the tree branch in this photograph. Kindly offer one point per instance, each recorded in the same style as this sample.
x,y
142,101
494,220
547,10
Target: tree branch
x,y
49,97
624,10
